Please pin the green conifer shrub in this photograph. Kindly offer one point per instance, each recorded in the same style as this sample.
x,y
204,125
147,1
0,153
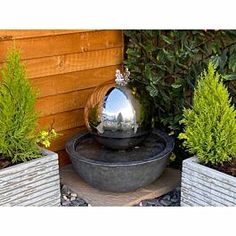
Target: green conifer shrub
x,y
209,126
19,137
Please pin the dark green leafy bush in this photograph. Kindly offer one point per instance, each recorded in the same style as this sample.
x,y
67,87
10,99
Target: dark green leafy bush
x,y
210,125
165,65
19,136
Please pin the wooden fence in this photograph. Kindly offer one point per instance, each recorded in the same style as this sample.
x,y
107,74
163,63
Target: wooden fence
x,y
65,66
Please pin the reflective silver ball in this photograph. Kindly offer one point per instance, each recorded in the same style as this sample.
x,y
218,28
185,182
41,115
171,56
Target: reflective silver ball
x,y
114,115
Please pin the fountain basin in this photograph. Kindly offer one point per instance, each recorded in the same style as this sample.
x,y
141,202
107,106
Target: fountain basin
x,y
120,170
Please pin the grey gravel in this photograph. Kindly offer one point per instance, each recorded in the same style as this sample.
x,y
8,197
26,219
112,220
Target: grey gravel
x,y
170,199
78,202
68,198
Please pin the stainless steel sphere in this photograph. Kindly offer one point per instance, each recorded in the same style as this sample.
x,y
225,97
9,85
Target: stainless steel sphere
x,y
114,115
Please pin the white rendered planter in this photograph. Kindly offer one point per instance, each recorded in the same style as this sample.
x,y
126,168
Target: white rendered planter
x,y
33,183
204,186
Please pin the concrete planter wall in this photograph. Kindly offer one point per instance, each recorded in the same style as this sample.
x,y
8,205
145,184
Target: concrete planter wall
x,y
203,186
33,183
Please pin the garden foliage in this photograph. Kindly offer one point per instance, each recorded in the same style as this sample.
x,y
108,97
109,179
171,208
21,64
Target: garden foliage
x,y
210,125
165,65
19,136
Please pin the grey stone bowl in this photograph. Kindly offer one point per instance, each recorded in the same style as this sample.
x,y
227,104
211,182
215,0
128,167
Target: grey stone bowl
x,y
119,171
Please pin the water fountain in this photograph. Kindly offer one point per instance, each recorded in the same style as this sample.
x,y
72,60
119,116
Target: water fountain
x,y
119,152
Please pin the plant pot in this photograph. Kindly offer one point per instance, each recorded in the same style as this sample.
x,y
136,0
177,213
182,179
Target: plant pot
x,y
204,186
32,183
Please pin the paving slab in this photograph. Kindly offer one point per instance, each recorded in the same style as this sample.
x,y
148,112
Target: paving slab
x,y
168,181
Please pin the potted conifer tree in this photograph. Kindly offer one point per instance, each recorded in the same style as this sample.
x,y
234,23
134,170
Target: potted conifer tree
x,y
29,174
208,179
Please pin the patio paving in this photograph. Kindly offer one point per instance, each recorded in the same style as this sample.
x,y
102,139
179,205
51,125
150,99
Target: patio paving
x,y
164,191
